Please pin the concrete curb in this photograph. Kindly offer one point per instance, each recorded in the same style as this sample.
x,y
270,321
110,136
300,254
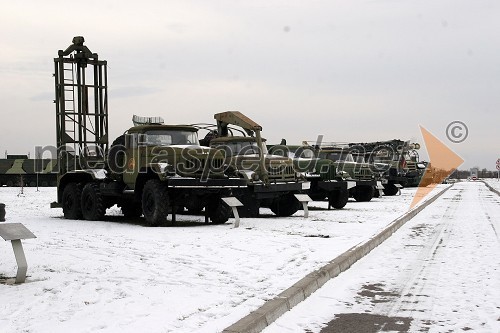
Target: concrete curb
x,y
259,319
491,188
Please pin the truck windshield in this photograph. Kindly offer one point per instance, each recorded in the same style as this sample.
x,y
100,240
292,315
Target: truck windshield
x,y
359,158
170,137
304,153
337,156
239,148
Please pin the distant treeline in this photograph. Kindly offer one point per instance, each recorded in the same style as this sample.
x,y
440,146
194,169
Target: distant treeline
x,y
482,173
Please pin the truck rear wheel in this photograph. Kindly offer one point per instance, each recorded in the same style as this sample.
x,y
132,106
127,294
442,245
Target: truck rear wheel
x,y
338,199
155,202
71,202
92,203
286,205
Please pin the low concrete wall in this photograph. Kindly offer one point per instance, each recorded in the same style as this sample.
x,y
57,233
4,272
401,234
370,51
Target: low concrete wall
x,y
259,319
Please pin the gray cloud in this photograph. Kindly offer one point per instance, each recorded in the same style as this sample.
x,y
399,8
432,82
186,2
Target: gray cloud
x,y
353,71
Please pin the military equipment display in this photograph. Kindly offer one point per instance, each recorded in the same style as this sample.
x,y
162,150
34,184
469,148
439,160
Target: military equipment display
x,y
359,171
326,181
390,157
271,180
152,169
20,170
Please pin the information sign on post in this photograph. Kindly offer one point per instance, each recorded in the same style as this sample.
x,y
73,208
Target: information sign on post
x,y
14,232
234,204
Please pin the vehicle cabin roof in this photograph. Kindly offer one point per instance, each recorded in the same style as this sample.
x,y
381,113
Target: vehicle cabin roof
x,y
224,139
333,149
145,128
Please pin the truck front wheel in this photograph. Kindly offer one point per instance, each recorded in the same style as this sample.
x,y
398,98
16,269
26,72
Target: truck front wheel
x,y
71,198
155,202
338,199
92,203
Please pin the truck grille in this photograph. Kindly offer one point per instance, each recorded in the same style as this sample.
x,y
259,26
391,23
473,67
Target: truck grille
x,y
198,165
281,172
411,166
363,174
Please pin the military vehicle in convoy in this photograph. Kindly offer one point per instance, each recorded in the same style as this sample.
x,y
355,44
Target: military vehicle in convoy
x,y
271,180
393,158
151,170
327,182
367,181
20,170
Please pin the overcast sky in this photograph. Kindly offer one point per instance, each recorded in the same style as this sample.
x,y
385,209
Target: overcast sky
x,y
350,70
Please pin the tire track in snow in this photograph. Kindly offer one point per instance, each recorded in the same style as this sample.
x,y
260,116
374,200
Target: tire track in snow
x,y
483,205
416,285
443,253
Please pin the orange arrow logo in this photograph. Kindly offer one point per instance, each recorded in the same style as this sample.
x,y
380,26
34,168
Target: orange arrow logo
x,y
442,162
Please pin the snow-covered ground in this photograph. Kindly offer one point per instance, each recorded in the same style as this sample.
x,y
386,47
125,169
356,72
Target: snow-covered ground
x,y
493,182
118,275
439,273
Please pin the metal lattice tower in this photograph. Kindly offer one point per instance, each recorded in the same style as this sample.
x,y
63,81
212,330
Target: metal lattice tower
x,y
81,107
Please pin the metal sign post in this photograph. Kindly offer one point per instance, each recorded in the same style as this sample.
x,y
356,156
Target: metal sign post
x,y
304,199
15,232
234,203
498,170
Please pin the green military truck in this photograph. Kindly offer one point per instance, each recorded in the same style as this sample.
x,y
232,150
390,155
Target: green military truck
x,y
326,181
151,170
393,158
271,180
367,184
415,169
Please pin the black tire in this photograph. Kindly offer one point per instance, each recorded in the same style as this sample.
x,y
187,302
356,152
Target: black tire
x,y
92,203
285,205
363,193
338,199
155,202
131,209
390,189
71,202
218,211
